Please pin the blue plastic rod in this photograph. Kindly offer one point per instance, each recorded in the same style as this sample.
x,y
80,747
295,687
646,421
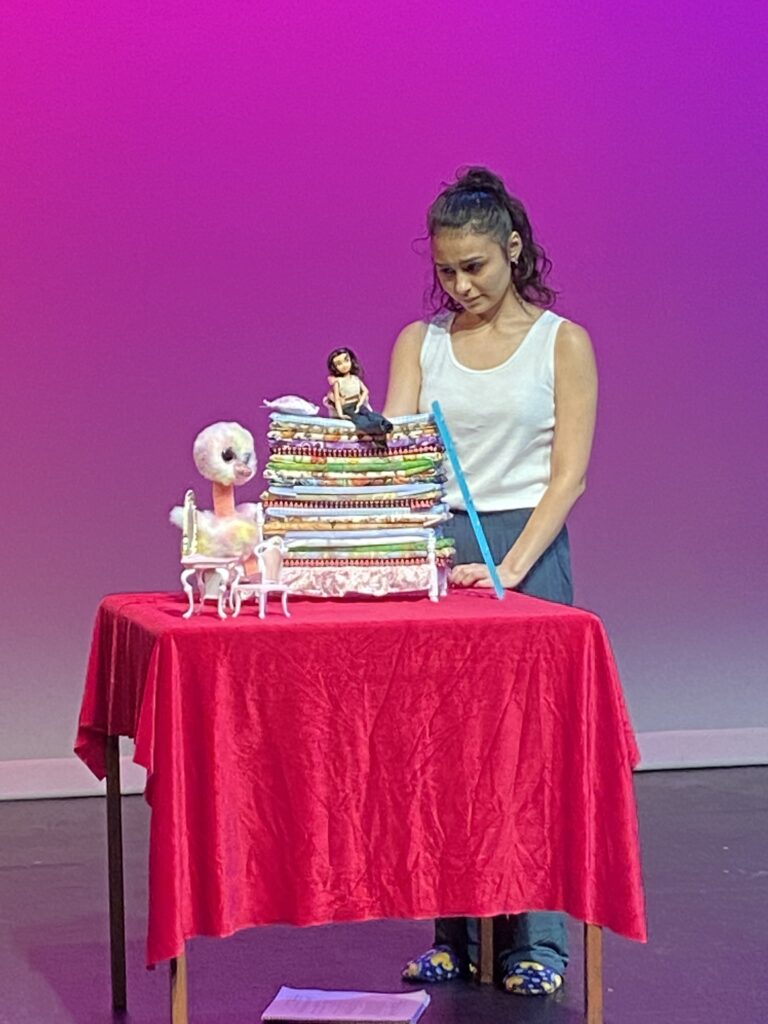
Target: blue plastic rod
x,y
474,519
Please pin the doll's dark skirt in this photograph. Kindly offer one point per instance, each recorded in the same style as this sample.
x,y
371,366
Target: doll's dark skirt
x,y
541,935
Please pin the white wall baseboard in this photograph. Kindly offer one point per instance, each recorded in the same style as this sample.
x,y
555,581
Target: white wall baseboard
x,y
703,748
62,776
692,748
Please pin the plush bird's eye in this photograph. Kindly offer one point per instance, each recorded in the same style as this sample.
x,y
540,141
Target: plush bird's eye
x,y
227,455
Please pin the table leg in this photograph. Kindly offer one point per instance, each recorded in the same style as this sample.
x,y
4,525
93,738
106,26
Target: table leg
x,y
486,951
593,974
179,999
115,864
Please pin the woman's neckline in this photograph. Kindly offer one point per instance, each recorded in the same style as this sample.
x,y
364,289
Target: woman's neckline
x,y
448,328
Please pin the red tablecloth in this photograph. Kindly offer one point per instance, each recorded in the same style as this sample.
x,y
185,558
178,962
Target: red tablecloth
x,y
370,759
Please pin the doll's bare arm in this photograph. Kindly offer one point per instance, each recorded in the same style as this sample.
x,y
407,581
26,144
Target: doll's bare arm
x,y
336,395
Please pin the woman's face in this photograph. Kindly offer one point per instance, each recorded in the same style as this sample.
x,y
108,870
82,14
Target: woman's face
x,y
342,364
473,269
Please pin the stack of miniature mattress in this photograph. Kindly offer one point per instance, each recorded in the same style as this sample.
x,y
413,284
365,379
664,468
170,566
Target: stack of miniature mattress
x,y
357,517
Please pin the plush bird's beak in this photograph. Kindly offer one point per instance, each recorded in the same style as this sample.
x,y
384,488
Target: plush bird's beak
x,y
243,472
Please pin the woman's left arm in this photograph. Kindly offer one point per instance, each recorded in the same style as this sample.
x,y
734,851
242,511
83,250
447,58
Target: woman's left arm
x,y
575,408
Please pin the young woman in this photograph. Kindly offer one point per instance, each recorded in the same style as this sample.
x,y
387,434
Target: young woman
x,y
518,388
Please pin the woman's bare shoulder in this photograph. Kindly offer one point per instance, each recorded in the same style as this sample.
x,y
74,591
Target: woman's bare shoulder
x,y
574,353
571,333
573,341
412,335
407,348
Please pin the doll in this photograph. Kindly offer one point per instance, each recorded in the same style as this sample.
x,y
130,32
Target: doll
x,y
349,396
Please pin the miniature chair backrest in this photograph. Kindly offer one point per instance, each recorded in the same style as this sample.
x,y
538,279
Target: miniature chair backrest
x,y
270,554
189,525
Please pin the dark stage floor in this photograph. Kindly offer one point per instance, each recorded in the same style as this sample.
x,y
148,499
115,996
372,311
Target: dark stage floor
x,y
705,843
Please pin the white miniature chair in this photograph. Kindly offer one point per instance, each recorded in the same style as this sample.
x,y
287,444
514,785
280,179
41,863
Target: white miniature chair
x,y
269,555
213,576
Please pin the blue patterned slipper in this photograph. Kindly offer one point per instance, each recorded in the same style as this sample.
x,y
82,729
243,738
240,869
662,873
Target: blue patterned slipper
x,y
437,964
528,978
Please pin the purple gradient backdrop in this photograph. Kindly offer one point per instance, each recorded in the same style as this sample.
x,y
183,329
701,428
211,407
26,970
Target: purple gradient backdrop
x,y
199,200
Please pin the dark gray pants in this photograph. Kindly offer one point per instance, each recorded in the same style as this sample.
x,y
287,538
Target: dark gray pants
x,y
367,421
540,935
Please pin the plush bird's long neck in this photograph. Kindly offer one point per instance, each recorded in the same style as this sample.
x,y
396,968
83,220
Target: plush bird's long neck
x,y
224,505
223,499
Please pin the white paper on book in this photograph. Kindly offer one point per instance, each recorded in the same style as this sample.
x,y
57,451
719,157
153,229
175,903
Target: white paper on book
x,y
315,1004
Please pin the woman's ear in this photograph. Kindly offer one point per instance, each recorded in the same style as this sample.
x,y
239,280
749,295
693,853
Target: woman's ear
x,y
514,247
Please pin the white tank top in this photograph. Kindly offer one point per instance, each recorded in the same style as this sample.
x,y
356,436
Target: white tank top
x,y
502,420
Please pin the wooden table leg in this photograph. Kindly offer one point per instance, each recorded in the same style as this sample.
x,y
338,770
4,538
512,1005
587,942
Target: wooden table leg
x,y
593,974
179,998
115,865
486,951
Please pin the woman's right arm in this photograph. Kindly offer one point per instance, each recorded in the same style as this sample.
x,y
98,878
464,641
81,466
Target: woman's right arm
x,y
405,371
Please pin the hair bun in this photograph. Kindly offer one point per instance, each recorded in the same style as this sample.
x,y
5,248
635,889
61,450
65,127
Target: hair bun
x,y
480,179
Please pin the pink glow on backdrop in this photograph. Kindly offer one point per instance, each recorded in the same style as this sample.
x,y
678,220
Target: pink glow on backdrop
x,y
200,200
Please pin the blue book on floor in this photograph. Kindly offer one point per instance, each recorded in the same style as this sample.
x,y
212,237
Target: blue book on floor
x,y
325,1007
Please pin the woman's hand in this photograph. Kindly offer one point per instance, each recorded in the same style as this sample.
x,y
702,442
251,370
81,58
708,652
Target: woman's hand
x,y
475,574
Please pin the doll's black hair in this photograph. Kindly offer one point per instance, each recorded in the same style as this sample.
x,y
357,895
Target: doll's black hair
x,y
356,367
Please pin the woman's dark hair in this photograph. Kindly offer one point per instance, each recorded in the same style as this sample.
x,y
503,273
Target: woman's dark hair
x,y
356,367
479,202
